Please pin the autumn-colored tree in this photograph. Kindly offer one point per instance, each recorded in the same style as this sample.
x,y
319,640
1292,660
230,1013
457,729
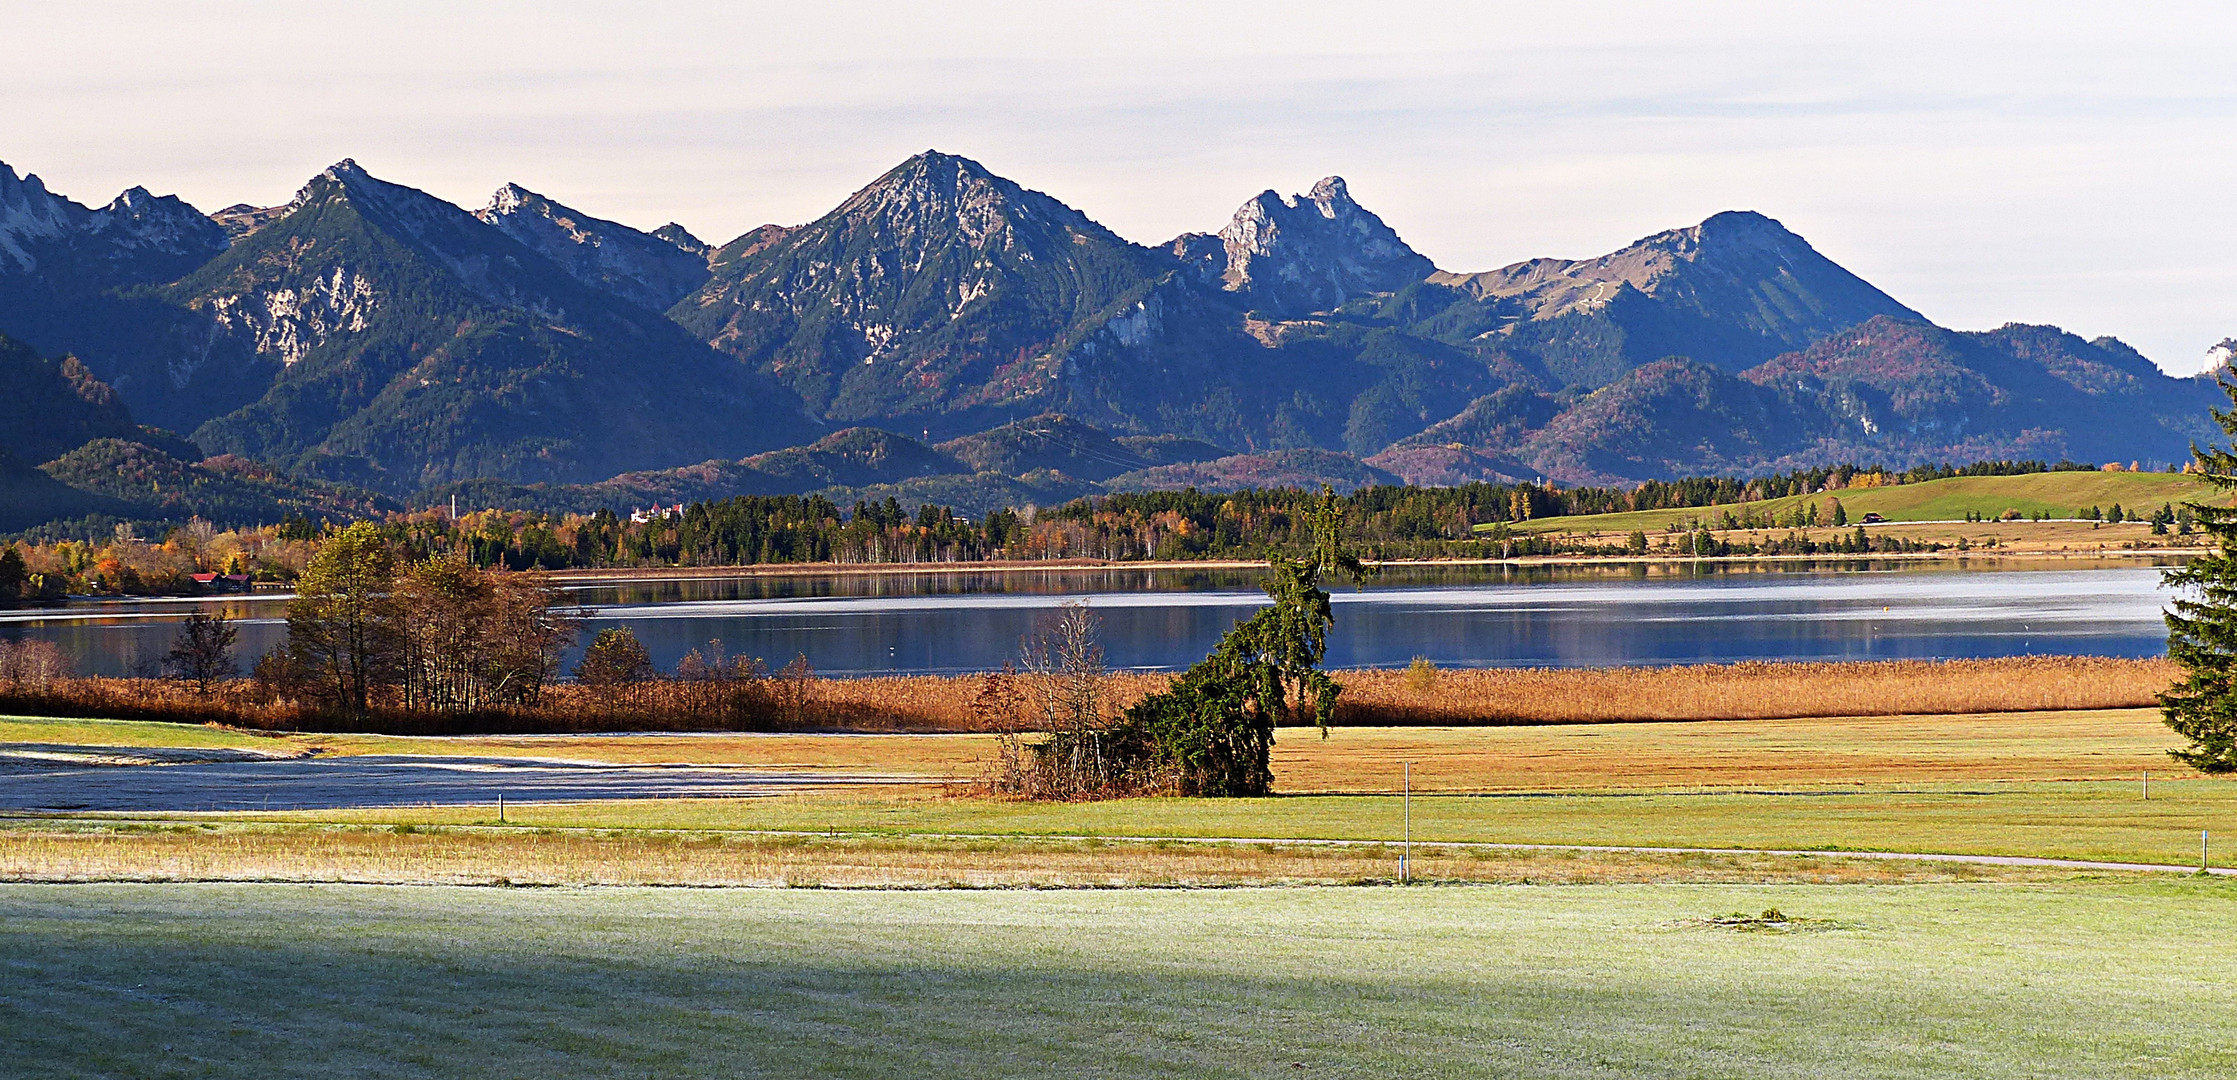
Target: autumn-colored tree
x,y
343,628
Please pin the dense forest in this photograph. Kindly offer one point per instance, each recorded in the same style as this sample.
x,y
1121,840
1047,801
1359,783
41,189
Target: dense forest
x,y
1385,522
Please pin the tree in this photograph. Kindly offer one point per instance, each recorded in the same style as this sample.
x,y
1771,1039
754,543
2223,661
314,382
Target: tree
x,y
202,653
615,657
2202,620
1636,543
1213,729
1066,685
615,668
1840,515
342,626
473,638
13,574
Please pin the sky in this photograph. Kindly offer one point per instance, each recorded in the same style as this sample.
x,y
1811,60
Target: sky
x,y
1984,163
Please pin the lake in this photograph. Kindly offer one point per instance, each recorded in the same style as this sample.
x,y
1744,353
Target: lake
x,y
1500,616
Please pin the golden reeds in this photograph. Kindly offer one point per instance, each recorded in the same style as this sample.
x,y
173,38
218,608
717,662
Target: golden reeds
x,y
1752,690
1417,696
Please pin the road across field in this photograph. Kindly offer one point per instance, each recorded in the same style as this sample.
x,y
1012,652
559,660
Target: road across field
x,y
95,778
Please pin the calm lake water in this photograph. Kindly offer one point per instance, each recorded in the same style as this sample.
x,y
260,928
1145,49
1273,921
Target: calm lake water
x,y
1162,620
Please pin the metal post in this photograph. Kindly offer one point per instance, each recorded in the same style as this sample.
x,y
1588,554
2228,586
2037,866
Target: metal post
x,y
1406,802
500,808
2147,785
2201,851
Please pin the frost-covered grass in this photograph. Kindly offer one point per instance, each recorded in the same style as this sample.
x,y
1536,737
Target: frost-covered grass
x,y
2126,979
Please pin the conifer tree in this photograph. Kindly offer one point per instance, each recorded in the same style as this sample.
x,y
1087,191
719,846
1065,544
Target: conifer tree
x,y
13,574
2202,621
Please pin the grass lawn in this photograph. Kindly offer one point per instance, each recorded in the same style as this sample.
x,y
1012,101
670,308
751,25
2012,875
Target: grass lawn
x,y
2061,784
2058,494
2083,820
2087,979
2057,745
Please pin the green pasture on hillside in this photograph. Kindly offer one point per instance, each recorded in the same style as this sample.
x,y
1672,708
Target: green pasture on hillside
x,y
2058,494
2088,979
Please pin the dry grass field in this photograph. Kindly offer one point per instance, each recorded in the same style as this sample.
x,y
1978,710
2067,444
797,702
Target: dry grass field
x,y
484,855
1674,757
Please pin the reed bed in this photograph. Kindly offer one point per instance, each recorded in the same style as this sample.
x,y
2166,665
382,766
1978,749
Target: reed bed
x,y
1421,696
1756,690
1748,691
472,856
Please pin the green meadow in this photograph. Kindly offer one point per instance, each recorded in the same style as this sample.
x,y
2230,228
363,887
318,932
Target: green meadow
x,y
2124,978
2057,494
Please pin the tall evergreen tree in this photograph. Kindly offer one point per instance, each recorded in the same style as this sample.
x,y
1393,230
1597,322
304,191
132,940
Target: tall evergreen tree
x,y
1214,727
2202,621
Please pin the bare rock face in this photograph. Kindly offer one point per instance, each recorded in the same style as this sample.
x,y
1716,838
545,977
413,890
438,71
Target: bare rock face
x,y
1300,254
650,270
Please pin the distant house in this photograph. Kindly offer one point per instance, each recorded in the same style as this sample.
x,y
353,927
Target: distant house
x,y
1873,519
655,513
222,582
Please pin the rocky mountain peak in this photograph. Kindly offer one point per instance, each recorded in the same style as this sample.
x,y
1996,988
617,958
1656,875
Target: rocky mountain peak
x,y
138,236
646,270
682,239
509,199
935,199
937,287
1303,253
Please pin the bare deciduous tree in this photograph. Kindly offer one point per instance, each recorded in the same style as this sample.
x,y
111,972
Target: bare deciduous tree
x,y
32,666
202,653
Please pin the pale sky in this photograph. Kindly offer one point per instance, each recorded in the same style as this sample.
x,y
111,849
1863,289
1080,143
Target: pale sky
x,y
1984,163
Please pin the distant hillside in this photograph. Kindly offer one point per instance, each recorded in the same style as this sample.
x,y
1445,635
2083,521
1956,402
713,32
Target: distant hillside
x,y
145,483
1305,469
48,408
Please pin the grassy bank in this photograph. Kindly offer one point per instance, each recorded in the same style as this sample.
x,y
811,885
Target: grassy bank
x,y
1924,980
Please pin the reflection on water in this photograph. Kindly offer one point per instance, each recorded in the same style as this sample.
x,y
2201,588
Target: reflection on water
x,y
856,624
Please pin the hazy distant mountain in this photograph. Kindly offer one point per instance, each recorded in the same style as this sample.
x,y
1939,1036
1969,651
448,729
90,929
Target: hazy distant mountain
x,y
1888,391
367,332
67,272
397,341
62,247
646,269
1733,292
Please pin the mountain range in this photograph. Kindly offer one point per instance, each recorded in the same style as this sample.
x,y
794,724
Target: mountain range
x,y
947,330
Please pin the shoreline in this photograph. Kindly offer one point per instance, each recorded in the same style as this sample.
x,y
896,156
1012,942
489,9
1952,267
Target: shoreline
x,y
625,575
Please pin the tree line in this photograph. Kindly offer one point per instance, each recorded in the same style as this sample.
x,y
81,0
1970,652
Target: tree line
x,y
1382,522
